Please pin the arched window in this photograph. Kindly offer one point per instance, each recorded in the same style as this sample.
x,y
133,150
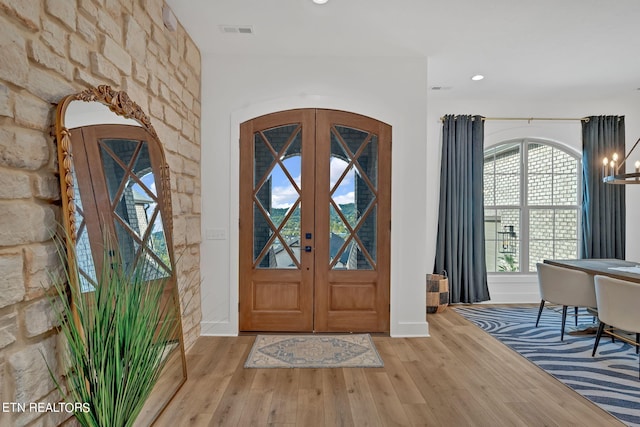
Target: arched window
x,y
531,202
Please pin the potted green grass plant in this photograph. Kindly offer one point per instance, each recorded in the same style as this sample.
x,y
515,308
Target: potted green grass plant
x,y
118,337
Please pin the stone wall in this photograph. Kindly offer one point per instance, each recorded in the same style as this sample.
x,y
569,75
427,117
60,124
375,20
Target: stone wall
x,y
52,48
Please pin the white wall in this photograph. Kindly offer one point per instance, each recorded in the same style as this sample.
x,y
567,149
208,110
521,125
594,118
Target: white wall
x,y
524,288
392,90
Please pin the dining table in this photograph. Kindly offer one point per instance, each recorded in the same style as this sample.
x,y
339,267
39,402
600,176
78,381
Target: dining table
x,y
616,268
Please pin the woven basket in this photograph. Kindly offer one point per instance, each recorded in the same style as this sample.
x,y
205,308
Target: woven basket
x,y
437,293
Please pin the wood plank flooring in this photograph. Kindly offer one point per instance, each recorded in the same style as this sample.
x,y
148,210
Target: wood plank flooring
x,y
460,376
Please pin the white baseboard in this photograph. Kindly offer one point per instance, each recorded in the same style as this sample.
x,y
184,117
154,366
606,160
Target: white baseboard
x,y
218,329
410,330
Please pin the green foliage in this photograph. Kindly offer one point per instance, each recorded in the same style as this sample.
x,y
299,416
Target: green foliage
x,y
507,262
336,225
117,344
159,246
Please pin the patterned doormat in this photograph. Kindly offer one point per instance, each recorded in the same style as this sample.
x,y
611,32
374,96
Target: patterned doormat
x,y
610,379
314,351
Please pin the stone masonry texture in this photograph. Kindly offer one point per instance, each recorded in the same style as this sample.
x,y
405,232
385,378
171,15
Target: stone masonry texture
x,y
54,48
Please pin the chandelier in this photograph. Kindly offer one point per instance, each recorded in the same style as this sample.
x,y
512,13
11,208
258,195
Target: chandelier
x,y
611,173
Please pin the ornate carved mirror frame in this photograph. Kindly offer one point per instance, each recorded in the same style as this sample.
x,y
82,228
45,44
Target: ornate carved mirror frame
x,y
119,103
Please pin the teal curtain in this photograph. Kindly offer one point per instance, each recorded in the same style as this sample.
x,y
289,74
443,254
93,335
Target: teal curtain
x,y
460,241
603,205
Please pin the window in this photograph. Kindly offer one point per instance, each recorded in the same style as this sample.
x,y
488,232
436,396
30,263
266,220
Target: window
x,y
531,204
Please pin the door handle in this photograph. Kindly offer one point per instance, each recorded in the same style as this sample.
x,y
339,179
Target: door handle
x,y
307,248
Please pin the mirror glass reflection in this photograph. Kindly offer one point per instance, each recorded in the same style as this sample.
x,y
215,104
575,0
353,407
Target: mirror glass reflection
x,y
120,188
81,113
84,257
132,192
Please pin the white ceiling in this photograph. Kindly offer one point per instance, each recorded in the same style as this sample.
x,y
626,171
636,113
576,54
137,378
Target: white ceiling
x,y
575,48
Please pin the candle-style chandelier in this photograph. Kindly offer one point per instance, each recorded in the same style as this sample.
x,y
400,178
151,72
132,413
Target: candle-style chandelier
x,y
611,170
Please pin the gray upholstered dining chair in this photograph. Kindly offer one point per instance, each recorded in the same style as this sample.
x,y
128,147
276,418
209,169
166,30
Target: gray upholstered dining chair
x,y
566,287
617,308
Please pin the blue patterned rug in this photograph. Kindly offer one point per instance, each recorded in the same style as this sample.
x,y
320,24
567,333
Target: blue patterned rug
x,y
610,379
314,351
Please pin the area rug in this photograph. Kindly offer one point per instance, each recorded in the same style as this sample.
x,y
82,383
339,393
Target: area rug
x,y
610,379
314,351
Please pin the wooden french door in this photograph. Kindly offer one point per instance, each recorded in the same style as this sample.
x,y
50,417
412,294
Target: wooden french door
x,y
119,184
315,189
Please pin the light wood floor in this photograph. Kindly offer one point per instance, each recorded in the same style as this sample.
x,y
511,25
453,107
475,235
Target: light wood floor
x,y
460,376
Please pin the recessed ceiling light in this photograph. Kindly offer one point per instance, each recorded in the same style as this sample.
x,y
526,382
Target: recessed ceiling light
x,y
320,1
477,77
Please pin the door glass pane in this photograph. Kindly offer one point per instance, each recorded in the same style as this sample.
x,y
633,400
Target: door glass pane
x,y
355,259
338,234
343,196
337,250
262,158
290,231
128,246
84,258
353,181
281,137
152,268
126,209
337,167
156,244
353,138
367,233
138,222
262,233
277,256
113,165
368,162
278,193
277,200
294,148
338,152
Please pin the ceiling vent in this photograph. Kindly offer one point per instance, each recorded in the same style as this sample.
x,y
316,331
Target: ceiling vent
x,y
440,87
236,29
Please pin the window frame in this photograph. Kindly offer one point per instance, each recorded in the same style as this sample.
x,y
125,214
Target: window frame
x,y
524,207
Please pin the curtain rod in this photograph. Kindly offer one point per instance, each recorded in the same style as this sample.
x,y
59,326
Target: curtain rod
x,y
530,119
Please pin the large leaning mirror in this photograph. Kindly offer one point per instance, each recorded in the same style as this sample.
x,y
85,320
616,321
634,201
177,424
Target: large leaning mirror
x,y
115,184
